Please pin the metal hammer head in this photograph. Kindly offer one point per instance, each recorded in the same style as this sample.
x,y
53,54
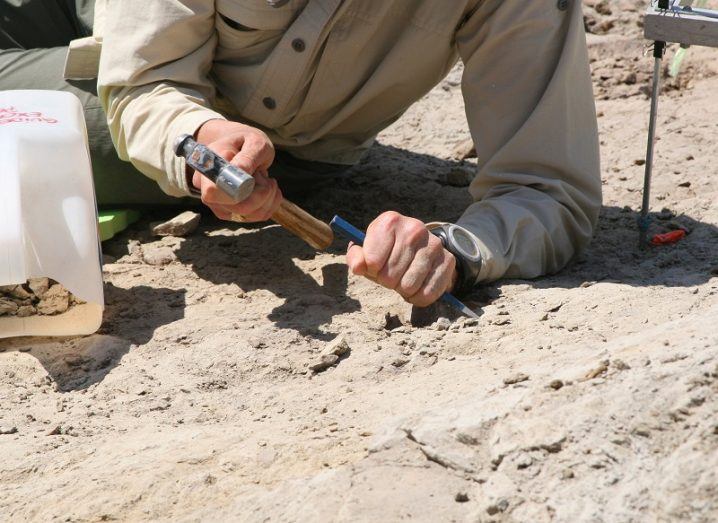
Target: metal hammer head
x,y
231,180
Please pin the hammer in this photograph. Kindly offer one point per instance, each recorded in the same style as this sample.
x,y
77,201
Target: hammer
x,y
238,185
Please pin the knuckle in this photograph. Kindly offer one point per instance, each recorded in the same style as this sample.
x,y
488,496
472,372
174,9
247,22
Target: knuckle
x,y
373,262
386,220
416,233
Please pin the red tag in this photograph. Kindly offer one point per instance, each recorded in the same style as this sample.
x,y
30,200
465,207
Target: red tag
x,y
668,238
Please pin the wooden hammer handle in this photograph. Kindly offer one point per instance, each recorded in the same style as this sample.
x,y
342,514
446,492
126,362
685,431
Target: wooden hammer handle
x,y
298,221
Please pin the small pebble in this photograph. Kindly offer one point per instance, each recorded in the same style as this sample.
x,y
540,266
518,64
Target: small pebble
x,y
461,497
516,378
556,384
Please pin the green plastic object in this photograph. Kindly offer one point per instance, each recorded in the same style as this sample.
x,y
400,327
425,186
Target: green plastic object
x,y
114,222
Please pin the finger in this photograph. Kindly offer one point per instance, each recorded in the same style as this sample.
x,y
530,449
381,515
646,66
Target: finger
x,y
213,195
436,284
379,242
265,210
414,277
273,204
356,260
410,240
256,153
264,189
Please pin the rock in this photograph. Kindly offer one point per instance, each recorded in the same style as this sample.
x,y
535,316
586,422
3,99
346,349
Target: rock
x,y
399,362
15,291
7,307
158,256
598,371
497,507
59,430
55,301
26,311
338,347
325,361
181,225
620,365
391,321
39,286
459,177
556,384
7,430
516,378
567,474
461,497
465,150
642,430
442,324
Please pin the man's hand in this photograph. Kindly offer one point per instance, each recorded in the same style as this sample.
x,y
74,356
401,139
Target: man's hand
x,y
249,149
400,254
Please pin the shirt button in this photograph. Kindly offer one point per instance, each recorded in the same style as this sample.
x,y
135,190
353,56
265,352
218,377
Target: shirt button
x,y
270,103
298,45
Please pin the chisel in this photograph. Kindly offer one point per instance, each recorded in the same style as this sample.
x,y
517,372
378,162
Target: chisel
x,y
346,229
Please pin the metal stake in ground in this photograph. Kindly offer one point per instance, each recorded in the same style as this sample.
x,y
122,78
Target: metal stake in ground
x,y
659,50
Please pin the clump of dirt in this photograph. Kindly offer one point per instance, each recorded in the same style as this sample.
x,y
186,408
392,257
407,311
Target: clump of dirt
x,y
36,297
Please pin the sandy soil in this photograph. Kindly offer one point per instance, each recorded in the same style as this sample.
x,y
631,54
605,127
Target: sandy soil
x,y
585,396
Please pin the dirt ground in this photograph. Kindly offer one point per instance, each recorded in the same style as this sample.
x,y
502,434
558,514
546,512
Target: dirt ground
x,y
591,395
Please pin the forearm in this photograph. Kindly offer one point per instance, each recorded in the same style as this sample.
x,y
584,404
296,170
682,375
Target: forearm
x,y
153,81
145,121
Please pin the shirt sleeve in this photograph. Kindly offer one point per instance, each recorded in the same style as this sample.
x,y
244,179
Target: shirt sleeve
x,y
153,81
530,107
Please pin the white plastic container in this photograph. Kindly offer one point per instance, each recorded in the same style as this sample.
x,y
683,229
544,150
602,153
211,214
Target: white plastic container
x,y
48,214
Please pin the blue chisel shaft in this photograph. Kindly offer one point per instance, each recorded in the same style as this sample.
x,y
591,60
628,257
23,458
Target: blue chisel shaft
x,y
346,229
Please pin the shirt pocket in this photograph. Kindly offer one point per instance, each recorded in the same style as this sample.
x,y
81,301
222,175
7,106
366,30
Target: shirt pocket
x,y
249,29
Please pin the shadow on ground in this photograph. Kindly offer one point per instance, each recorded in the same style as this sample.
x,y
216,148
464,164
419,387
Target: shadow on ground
x,y
77,363
415,184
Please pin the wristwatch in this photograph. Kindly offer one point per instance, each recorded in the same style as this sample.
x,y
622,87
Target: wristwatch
x,y
463,245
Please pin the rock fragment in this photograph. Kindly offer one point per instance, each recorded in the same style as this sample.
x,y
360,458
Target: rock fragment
x,y
6,430
181,225
39,286
337,347
26,311
465,150
158,256
7,307
55,301
556,384
461,497
516,378
442,324
16,291
598,371
325,361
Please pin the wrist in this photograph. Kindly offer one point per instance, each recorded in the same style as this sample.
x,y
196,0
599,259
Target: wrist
x,y
463,247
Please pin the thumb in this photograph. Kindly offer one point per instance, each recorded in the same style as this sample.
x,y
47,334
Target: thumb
x,y
356,260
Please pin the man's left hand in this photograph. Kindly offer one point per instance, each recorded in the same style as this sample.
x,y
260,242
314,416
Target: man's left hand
x,y
400,254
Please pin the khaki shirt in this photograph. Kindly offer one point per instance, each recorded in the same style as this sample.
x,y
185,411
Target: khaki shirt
x,y
324,77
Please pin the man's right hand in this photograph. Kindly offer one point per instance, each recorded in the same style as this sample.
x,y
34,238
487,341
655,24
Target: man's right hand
x,y
249,149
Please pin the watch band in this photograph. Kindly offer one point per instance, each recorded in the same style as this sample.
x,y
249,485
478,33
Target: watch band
x,y
462,245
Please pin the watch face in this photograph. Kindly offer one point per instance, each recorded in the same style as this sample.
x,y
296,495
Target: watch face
x,y
464,243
